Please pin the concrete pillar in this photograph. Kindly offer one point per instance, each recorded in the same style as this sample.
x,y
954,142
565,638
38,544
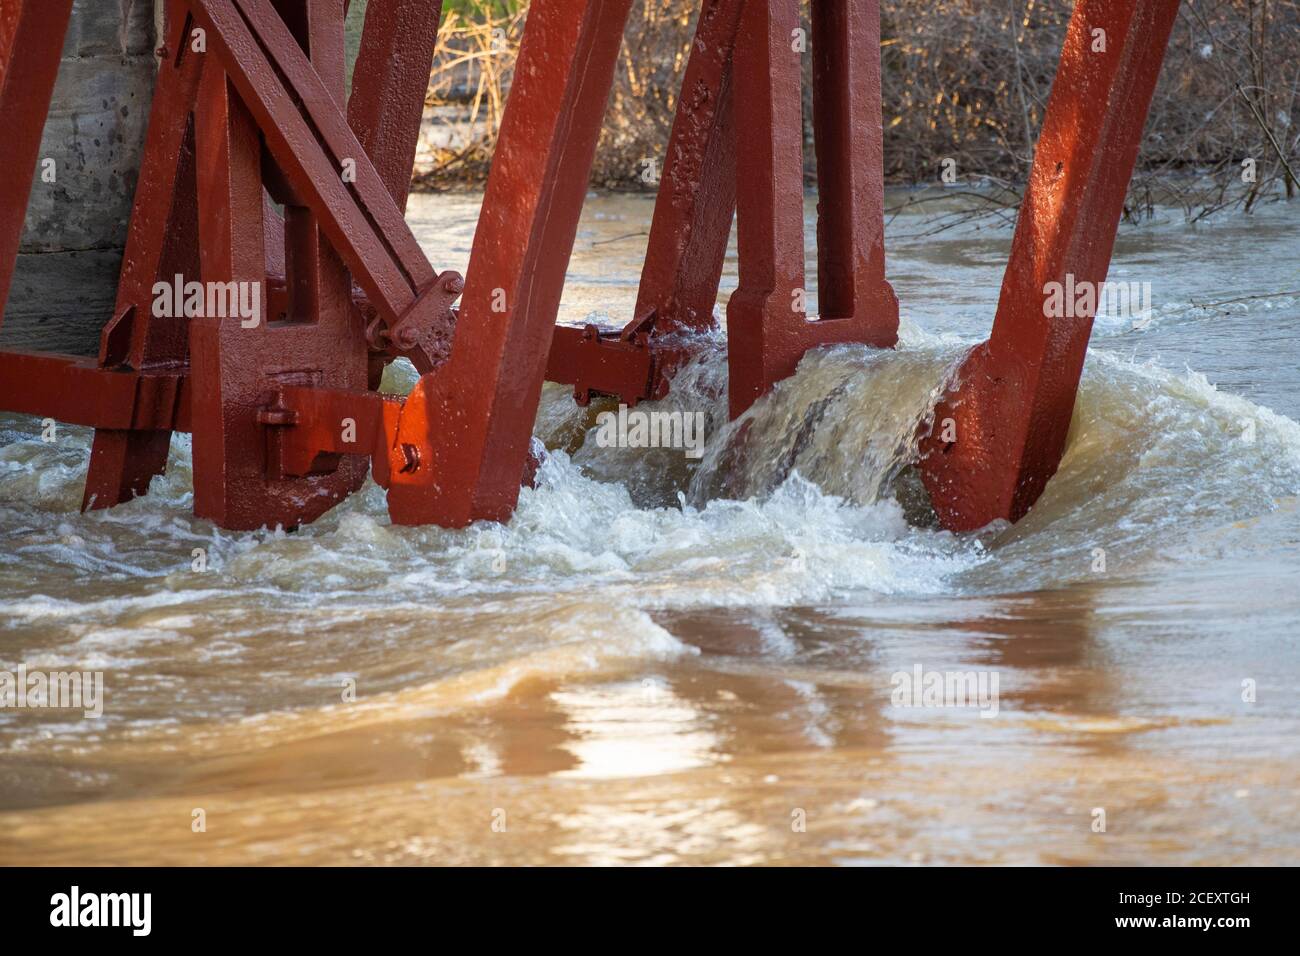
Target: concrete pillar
x,y
72,243
65,281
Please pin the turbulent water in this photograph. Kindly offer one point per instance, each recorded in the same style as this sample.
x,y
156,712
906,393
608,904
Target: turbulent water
x,y
662,660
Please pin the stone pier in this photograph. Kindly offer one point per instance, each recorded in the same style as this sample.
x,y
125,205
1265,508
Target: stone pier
x,y
66,273
66,276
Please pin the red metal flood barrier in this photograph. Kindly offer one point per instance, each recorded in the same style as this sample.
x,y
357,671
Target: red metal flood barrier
x,y
283,200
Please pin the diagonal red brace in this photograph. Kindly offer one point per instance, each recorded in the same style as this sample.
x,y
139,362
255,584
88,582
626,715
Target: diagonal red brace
x,y
999,436
162,241
470,421
311,141
697,196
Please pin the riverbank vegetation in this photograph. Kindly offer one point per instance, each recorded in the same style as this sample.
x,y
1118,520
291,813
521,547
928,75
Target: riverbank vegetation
x,y
964,80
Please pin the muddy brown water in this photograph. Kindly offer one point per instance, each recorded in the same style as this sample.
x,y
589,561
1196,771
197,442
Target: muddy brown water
x,y
667,661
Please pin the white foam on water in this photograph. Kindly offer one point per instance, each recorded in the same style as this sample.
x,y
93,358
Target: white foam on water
x,y
796,503
810,500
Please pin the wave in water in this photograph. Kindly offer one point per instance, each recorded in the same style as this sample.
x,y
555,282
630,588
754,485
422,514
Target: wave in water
x,y
811,499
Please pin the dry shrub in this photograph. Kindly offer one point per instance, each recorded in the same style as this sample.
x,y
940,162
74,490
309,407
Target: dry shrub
x,y
656,46
969,80
473,65
966,80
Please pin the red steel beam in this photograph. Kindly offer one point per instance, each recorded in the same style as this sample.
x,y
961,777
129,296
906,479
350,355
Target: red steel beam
x,y
75,390
851,169
237,369
697,195
761,313
316,282
469,423
998,437
688,235
162,236
630,368
309,138
389,83
31,41
162,242
385,110
767,331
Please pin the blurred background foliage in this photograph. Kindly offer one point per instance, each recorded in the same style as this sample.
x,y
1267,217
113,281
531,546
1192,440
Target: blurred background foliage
x,y
963,79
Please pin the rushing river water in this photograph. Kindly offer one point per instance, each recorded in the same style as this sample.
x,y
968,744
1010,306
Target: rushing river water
x,y
661,661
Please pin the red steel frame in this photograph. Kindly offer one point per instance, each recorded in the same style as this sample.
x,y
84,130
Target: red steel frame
x,y
243,181
1009,415
767,333
162,240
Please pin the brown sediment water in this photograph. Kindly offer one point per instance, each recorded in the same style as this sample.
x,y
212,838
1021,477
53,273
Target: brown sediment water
x,y
663,660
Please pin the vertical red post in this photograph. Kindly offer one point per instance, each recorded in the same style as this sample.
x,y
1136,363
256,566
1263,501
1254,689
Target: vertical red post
x,y
236,368
999,436
386,108
763,316
162,242
851,169
463,437
226,445
768,329
31,43
317,281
